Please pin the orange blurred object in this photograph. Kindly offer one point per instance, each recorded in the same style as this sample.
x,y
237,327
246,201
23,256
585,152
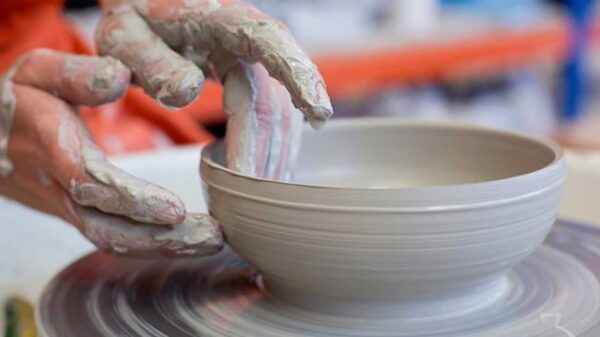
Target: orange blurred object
x,y
418,62
133,123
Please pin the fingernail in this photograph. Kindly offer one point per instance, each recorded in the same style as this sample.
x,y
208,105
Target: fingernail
x,y
173,214
181,89
323,108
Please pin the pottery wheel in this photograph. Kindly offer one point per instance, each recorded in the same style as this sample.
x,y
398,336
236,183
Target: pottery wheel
x,y
555,292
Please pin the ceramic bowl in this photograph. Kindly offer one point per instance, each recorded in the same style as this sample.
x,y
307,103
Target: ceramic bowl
x,y
392,218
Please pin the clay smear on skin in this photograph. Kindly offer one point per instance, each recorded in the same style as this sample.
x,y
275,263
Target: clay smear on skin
x,y
146,198
197,234
189,36
190,237
275,44
68,141
109,188
100,78
183,238
172,80
113,190
236,27
43,177
199,29
239,102
8,104
278,131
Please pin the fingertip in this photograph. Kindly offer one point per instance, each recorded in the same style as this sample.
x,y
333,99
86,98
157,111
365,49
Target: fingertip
x,y
319,109
182,88
317,123
198,235
171,214
157,205
163,74
324,107
108,79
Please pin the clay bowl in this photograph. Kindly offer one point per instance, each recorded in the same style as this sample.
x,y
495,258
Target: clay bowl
x,y
386,218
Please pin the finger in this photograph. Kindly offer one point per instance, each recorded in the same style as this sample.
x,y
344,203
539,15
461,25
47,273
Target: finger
x,y
248,103
115,191
278,129
180,24
296,125
197,235
255,37
162,73
78,79
290,128
58,139
112,190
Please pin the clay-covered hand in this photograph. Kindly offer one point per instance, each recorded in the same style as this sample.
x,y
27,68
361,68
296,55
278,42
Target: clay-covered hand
x,y
49,162
171,45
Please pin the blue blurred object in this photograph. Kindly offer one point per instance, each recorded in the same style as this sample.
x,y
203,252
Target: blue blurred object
x,y
505,12
574,75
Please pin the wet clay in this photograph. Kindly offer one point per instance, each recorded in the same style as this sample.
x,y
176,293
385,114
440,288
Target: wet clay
x,y
254,37
239,102
228,41
197,235
171,79
196,229
279,131
109,192
264,127
186,32
104,78
8,105
112,190
201,31
83,80
43,177
114,209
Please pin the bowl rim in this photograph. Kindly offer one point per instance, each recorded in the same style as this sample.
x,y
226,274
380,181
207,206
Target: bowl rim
x,y
346,123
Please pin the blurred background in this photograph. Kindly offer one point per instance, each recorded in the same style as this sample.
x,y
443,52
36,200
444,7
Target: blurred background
x,y
529,65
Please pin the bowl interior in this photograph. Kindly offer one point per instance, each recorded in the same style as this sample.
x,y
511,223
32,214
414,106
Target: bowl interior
x,y
399,155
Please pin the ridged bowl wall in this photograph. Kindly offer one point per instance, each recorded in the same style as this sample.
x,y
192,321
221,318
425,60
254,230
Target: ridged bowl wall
x,y
392,218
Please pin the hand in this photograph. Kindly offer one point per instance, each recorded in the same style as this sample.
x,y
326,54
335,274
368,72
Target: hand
x,y
49,162
171,45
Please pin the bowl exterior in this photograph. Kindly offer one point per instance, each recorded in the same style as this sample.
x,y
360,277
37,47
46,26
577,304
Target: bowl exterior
x,y
429,244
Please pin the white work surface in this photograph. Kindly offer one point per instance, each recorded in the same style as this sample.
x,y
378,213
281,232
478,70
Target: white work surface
x,y
35,246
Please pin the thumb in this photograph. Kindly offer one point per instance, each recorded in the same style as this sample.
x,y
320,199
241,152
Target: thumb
x,y
94,182
197,235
